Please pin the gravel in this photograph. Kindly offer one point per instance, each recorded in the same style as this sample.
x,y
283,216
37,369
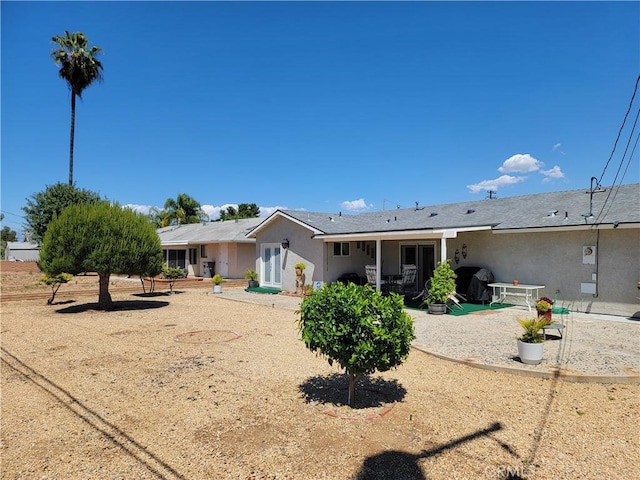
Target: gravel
x,y
206,386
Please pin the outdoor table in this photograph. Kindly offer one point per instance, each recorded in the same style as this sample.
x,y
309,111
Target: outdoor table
x,y
552,326
509,289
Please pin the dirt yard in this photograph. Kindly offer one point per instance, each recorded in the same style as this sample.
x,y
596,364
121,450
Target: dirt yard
x,y
193,386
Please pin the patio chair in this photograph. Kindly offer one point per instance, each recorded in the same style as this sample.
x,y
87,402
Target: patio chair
x,y
371,272
408,281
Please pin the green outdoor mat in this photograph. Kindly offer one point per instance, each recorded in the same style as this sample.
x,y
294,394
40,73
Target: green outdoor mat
x,y
272,291
466,307
472,307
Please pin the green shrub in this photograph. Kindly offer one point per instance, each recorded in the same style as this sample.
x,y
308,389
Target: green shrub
x,y
357,327
443,283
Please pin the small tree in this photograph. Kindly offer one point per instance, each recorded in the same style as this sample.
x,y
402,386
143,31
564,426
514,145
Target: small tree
x,y
101,238
443,283
55,282
172,274
357,327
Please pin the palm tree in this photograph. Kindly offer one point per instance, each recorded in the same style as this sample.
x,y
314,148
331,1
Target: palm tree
x,y
79,67
184,209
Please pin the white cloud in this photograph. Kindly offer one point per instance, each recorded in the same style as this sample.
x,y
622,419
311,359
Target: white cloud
x,y
266,211
495,184
144,209
556,146
555,172
520,163
355,205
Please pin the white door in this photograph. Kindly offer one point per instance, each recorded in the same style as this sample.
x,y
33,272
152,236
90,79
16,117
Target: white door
x,y
271,260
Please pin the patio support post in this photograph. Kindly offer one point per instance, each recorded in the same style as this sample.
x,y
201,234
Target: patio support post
x,y
443,249
378,263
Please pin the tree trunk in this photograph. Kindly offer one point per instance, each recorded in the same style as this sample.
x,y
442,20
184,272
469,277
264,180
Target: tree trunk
x,y
352,389
73,131
104,298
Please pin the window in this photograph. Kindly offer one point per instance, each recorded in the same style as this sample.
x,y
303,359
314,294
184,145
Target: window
x,y
175,258
341,249
203,251
193,256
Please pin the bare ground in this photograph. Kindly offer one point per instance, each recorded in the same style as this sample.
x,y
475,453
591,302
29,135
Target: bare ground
x,y
193,386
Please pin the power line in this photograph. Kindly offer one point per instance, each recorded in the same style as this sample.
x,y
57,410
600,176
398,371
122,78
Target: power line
x,y
9,213
621,179
620,131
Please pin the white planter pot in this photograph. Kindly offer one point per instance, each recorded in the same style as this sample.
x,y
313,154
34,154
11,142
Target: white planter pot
x,y
217,289
530,353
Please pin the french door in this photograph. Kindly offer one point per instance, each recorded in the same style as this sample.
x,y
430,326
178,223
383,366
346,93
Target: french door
x,y
423,256
271,266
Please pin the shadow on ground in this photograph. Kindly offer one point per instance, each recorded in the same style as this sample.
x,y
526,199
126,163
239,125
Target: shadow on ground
x,y
399,465
123,305
370,392
156,294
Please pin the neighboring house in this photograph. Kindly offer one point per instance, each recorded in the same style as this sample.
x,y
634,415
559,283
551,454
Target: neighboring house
x,y
582,245
22,252
203,249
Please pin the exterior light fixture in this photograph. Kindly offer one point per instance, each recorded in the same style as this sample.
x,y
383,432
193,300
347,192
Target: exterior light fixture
x,y
456,256
285,243
464,250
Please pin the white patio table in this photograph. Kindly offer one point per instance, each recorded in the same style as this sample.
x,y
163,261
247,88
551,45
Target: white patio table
x,y
504,290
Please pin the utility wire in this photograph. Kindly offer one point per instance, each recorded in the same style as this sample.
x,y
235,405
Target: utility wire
x,y
633,129
623,175
620,131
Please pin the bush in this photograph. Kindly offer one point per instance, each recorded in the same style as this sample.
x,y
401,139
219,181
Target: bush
x,y
357,327
443,283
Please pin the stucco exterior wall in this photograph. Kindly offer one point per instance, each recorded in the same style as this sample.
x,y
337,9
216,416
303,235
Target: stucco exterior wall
x,y
555,260
302,249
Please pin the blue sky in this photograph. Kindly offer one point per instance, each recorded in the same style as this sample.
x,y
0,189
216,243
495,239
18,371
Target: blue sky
x,y
322,106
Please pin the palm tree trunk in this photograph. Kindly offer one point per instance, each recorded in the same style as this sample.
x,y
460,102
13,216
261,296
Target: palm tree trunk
x,y
73,131
104,297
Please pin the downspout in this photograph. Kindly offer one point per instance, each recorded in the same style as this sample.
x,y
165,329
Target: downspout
x,y
595,295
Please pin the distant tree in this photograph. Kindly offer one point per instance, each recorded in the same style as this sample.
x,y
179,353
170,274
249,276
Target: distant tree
x,y
43,206
6,235
155,217
79,67
245,210
172,274
55,282
184,209
357,327
101,238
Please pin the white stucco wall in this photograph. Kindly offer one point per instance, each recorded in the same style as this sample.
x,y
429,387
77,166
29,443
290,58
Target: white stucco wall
x,y
554,259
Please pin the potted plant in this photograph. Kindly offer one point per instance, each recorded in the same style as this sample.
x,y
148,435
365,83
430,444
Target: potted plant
x,y
530,343
217,283
543,307
252,277
442,285
299,268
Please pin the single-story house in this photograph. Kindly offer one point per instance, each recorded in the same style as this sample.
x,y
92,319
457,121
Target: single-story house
x,y
583,245
22,252
204,249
